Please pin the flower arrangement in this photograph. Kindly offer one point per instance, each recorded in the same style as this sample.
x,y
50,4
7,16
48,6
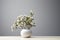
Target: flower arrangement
x,y
24,22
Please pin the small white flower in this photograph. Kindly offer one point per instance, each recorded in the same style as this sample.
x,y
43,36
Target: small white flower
x,y
17,23
31,23
32,17
14,25
21,18
18,16
12,28
21,23
18,20
31,11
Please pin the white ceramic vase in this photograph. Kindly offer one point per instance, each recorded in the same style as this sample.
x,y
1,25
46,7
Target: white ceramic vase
x,y
26,33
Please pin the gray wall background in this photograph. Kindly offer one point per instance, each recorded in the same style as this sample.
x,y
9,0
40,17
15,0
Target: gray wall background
x,y
46,14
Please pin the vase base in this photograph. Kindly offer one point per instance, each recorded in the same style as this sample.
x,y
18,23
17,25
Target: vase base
x,y
26,36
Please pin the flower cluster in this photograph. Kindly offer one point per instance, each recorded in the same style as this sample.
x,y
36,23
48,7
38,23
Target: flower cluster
x,y
24,22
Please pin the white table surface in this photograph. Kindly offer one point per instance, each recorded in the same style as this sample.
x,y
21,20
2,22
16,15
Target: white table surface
x,y
32,38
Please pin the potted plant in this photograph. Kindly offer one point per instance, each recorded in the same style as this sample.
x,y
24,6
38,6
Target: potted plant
x,y
24,23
